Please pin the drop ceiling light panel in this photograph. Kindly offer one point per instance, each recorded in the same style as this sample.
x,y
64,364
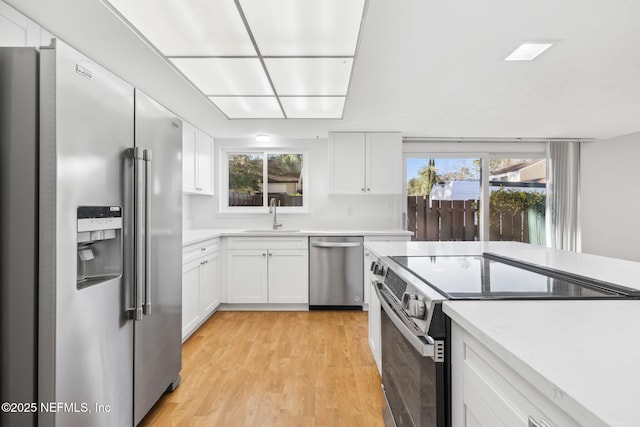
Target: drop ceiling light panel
x,y
195,28
256,107
225,76
317,107
305,28
308,48
310,76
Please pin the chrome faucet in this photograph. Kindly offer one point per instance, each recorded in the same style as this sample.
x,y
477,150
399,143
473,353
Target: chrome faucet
x,y
272,209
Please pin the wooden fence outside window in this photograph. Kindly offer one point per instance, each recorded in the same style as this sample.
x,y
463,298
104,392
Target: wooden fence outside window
x,y
451,220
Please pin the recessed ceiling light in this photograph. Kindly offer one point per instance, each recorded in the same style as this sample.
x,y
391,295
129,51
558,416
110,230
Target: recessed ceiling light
x,y
528,51
263,137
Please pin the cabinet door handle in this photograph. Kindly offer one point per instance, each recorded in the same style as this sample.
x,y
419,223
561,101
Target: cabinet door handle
x,y
362,189
264,254
368,189
270,254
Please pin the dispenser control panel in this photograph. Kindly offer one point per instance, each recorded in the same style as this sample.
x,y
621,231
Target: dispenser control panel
x,y
99,244
99,218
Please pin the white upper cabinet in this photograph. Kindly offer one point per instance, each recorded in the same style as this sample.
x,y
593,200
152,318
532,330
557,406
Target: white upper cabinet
x,y
347,163
197,161
384,163
365,163
189,146
204,158
18,30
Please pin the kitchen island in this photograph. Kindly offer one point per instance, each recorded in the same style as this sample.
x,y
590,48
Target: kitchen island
x,y
560,362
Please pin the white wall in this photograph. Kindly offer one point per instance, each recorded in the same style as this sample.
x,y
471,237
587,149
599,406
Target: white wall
x,y
325,211
610,197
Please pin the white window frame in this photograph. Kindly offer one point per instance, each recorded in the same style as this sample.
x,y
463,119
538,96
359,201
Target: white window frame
x,y
224,190
490,150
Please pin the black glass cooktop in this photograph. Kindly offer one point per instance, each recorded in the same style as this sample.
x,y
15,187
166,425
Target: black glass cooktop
x,y
492,277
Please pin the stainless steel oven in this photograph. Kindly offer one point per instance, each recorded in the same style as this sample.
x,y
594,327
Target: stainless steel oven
x,y
415,374
416,364
414,384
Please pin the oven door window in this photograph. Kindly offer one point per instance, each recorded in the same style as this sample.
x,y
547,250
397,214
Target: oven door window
x,y
413,383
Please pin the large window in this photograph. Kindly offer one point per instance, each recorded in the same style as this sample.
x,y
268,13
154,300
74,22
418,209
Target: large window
x,y
443,198
254,177
480,196
517,203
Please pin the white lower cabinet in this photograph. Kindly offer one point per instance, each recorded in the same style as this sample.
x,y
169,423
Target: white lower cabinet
x,y
486,391
288,276
274,271
247,281
209,283
190,297
200,284
375,338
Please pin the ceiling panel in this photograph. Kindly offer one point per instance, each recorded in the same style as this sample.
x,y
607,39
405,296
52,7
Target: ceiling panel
x,y
196,27
305,28
310,76
225,76
237,107
317,107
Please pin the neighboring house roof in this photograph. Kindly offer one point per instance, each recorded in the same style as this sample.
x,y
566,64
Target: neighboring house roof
x,y
284,178
516,167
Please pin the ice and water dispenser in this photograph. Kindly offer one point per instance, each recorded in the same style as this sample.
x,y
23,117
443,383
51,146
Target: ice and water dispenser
x,y
99,244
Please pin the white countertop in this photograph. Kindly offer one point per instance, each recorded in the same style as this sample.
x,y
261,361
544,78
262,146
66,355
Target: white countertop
x,y
583,355
191,236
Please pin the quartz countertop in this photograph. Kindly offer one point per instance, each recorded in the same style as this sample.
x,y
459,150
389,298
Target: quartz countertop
x,y
582,355
192,236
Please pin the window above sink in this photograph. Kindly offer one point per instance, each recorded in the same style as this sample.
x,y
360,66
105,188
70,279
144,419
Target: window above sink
x,y
252,177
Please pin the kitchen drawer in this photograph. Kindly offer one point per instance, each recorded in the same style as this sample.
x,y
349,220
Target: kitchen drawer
x,y
284,242
199,250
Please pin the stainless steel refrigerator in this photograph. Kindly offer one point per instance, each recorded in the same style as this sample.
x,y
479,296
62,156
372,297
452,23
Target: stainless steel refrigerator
x,y
91,233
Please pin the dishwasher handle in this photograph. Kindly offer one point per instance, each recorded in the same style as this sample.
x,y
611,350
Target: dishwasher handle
x,y
336,244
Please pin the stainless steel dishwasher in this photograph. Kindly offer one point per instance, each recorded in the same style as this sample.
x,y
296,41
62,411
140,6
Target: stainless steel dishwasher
x,y
336,272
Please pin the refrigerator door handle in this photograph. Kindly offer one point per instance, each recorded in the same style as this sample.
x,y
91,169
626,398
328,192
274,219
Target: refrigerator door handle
x,y
137,154
147,231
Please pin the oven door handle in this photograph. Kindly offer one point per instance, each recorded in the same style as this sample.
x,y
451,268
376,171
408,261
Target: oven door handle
x,y
423,344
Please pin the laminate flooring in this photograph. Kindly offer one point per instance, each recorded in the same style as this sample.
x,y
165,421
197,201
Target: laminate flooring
x,y
275,369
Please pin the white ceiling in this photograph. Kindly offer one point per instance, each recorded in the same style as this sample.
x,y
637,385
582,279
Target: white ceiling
x,y
425,68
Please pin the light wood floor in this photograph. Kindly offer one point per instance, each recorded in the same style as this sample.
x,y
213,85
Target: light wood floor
x,y
276,369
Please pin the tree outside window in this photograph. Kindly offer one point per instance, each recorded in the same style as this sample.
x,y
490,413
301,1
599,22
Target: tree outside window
x,y
253,183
